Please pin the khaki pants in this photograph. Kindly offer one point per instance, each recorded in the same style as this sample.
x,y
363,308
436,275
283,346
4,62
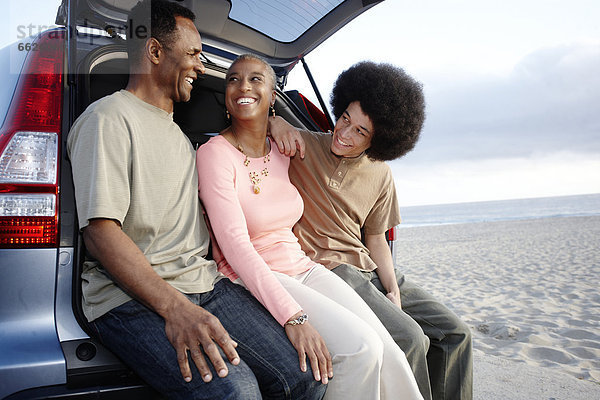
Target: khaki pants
x,y
352,332
367,363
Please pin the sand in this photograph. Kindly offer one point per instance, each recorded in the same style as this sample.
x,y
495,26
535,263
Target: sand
x,y
529,290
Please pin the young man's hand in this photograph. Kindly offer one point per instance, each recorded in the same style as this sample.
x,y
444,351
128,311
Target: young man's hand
x,y
381,255
394,298
287,137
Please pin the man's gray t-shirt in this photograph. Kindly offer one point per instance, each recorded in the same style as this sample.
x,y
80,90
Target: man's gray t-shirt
x,y
133,164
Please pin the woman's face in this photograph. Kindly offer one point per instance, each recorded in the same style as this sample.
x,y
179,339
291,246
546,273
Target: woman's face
x,y
249,92
352,133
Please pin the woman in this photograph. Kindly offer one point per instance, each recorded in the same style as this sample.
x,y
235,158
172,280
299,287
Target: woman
x,y
252,206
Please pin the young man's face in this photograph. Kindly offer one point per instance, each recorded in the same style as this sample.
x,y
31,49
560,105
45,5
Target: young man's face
x,y
181,64
352,133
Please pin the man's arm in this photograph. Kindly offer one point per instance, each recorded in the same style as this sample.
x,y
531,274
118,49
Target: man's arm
x,y
382,256
286,136
187,326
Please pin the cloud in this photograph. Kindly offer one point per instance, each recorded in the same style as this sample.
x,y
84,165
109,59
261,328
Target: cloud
x,y
549,102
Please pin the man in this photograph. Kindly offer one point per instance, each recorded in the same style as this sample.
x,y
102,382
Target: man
x,y
350,202
149,293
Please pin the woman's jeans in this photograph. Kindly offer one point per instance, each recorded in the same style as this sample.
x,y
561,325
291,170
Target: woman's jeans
x,y
269,363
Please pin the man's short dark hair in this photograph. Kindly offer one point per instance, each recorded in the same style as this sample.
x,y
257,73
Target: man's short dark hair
x,y
153,18
391,98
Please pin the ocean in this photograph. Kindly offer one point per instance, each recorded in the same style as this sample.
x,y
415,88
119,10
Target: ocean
x,y
500,210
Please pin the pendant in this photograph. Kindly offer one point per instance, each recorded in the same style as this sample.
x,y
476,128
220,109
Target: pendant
x,y
256,189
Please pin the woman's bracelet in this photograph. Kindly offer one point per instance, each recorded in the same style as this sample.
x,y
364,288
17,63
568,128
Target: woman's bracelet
x,y
299,320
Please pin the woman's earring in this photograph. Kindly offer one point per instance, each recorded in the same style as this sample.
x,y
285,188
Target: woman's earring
x,y
227,114
273,111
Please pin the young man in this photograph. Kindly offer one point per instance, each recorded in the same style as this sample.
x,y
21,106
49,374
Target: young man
x,y
149,293
349,204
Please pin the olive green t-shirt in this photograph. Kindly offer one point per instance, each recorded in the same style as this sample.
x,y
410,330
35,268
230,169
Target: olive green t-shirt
x,y
133,164
341,197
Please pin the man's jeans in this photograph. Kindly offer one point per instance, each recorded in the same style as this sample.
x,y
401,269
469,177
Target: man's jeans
x,y
269,363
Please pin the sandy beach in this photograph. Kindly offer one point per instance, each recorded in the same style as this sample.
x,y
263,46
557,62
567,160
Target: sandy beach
x,y
529,290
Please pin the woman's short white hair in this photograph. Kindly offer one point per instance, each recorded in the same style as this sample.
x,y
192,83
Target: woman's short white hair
x,y
250,56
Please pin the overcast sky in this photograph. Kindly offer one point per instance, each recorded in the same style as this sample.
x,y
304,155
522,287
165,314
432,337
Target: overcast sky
x,y
512,89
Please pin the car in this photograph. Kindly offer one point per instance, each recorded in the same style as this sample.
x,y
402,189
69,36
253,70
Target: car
x,y
46,350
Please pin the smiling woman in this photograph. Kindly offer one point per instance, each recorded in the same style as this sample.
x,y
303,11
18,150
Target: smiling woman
x,y
249,94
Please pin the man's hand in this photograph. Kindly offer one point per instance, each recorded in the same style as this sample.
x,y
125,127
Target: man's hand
x,y
287,137
187,326
307,342
381,255
192,328
395,298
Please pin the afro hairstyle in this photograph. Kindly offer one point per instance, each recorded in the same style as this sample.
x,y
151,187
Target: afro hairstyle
x,y
393,101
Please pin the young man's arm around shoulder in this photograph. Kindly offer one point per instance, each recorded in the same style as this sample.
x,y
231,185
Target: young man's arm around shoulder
x,y
287,137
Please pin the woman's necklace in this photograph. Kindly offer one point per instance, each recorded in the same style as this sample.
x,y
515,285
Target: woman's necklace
x,y
255,178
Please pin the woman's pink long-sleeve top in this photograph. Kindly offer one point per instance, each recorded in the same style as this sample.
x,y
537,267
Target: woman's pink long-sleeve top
x,y
254,231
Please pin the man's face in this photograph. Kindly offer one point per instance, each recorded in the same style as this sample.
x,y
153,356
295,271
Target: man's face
x,y
352,133
181,64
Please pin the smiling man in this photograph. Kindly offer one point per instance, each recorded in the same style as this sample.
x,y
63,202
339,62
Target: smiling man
x,y
149,292
350,202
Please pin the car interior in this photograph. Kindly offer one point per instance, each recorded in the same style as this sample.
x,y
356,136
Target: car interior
x,y
203,115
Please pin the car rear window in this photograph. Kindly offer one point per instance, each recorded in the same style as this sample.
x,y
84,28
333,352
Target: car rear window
x,y
283,21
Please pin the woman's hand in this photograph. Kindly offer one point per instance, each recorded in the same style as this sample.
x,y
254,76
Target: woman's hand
x,y
307,341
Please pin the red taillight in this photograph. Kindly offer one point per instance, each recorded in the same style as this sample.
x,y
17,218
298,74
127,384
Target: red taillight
x,y
391,234
28,232
30,149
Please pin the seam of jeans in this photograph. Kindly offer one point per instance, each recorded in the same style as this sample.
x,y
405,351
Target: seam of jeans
x,y
150,355
286,386
96,331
